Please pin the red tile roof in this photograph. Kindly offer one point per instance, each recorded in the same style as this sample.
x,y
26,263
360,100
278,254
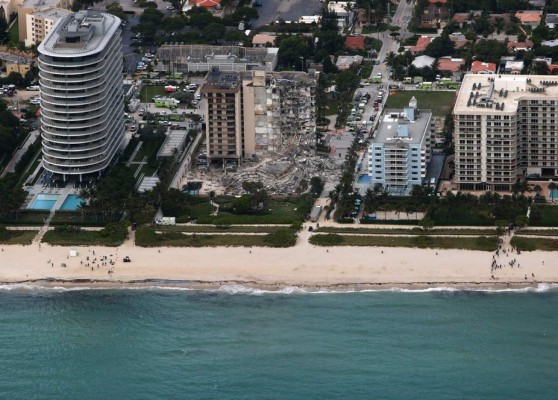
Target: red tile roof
x,y
522,45
479,66
206,3
354,42
421,45
529,16
449,64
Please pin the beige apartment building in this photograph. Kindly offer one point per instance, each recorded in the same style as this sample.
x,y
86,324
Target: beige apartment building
x,y
505,128
37,17
252,113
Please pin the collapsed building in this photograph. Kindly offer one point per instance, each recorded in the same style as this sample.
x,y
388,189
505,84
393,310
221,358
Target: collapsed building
x,y
265,123
256,114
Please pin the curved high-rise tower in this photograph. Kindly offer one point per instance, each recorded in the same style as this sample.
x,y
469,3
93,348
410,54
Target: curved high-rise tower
x,y
82,114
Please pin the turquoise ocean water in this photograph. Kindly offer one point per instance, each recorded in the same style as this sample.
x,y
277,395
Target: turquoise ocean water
x,y
179,344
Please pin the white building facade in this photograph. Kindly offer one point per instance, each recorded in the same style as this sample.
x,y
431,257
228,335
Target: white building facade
x,y
82,114
401,149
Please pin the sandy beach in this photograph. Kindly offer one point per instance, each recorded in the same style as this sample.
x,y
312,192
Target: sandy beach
x,y
304,265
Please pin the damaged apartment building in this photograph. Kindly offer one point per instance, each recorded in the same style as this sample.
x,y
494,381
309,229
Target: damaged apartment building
x,y
253,114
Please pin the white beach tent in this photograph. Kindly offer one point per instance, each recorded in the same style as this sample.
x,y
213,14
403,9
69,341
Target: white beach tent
x,y
73,253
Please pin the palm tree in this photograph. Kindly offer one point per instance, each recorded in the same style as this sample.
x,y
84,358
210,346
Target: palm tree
x,y
390,58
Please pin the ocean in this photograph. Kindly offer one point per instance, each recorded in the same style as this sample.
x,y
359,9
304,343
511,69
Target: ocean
x,y
237,343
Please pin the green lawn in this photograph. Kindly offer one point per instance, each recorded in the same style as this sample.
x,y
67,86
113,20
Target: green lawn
x,y
374,29
26,217
532,244
220,229
80,238
284,211
548,216
20,237
403,231
148,92
482,243
146,237
439,102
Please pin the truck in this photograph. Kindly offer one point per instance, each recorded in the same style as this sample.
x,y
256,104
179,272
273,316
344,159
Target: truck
x,y
166,221
315,214
424,85
166,102
376,79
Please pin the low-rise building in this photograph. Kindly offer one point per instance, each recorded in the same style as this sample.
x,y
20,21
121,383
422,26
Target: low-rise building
x,y
423,61
551,20
40,23
26,25
530,18
434,16
401,149
263,40
201,58
344,12
451,66
355,42
344,62
480,67
421,45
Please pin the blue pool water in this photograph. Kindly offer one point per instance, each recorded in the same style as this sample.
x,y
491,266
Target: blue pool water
x,y
554,194
364,179
44,201
71,203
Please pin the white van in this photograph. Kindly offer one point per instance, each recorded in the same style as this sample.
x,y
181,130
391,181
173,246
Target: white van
x,y
33,88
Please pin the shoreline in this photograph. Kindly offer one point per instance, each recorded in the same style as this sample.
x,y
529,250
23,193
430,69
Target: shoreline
x,y
304,266
247,287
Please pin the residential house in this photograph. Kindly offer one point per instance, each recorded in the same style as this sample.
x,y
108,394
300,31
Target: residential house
x,y
550,43
530,18
461,20
355,42
551,20
434,16
513,67
421,44
537,3
344,12
423,61
263,40
515,46
344,62
480,67
451,66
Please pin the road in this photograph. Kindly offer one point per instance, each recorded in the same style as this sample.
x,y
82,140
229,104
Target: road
x,y
20,152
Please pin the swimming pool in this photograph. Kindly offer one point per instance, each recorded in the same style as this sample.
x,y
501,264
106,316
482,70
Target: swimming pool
x,y
44,201
71,203
364,179
554,194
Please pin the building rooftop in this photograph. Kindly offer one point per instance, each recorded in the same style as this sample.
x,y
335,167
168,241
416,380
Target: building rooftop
x,y
396,127
340,8
422,43
83,33
220,80
175,140
528,16
40,4
52,13
504,90
263,39
423,61
355,42
450,64
480,66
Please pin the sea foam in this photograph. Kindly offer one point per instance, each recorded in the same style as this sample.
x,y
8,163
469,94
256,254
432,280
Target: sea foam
x,y
288,290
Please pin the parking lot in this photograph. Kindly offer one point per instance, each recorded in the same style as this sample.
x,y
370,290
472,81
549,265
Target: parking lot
x,y
288,10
